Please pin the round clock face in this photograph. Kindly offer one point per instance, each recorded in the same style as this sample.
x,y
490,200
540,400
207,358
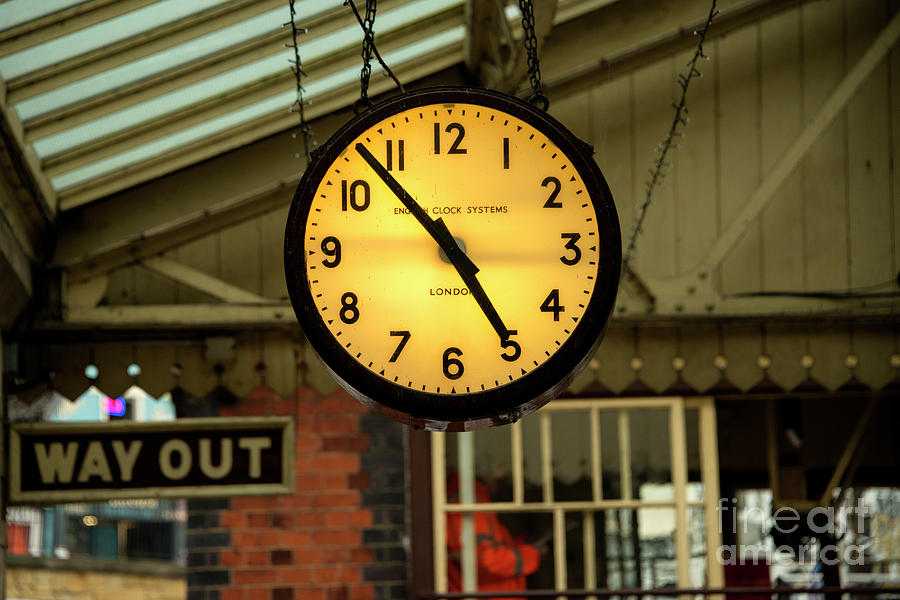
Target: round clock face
x,y
453,256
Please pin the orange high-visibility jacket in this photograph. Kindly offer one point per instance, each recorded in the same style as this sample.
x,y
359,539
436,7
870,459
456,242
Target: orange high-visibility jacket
x,y
503,562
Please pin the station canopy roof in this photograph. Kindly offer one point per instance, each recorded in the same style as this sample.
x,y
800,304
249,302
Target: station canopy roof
x,y
103,94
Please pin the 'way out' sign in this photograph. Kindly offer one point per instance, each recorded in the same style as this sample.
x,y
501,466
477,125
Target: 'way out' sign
x,y
79,462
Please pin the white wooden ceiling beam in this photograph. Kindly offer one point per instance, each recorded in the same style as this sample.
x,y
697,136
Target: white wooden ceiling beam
x,y
624,45
696,286
151,242
201,281
189,316
275,314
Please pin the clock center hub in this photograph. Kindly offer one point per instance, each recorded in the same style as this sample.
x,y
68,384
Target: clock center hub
x,y
443,255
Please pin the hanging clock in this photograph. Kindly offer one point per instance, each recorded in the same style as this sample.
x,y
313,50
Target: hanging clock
x,y
453,255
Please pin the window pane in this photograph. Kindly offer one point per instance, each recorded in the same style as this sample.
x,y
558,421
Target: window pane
x,y
650,457
493,462
624,534
571,434
692,437
609,454
531,451
696,523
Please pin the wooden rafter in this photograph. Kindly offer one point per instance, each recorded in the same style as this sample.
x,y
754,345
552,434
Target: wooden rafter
x,y
154,241
696,284
200,281
244,315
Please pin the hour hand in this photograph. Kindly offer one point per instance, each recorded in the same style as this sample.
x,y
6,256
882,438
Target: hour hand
x,y
436,228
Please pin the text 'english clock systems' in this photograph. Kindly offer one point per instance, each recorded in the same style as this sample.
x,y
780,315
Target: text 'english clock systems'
x,y
453,256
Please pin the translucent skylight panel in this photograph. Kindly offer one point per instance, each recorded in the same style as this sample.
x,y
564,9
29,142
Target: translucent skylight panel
x,y
279,102
16,12
175,56
103,34
232,80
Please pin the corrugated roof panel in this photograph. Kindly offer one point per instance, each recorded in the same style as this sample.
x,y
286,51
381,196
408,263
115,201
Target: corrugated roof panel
x,y
227,82
103,34
134,89
176,56
16,12
318,87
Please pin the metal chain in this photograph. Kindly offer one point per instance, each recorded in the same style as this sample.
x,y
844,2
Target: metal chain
x,y
297,69
680,120
369,49
538,100
367,52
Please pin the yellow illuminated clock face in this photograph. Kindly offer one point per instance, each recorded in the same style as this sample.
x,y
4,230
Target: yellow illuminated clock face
x,y
444,253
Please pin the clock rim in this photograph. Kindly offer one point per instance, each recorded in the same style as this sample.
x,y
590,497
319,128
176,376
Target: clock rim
x,y
460,411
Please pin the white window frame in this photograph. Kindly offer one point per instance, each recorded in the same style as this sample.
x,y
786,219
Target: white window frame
x,y
676,405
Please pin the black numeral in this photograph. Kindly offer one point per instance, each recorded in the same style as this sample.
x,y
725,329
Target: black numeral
x,y
349,195
551,201
331,246
449,361
454,147
404,337
349,310
571,245
390,155
551,304
506,153
514,347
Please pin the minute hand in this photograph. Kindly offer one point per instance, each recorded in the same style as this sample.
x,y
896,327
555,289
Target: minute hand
x,y
438,230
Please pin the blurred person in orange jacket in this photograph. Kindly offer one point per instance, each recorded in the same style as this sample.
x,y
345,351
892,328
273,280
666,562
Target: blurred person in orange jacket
x,y
503,562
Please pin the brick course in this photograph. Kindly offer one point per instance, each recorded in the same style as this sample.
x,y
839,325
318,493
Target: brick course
x,y
339,537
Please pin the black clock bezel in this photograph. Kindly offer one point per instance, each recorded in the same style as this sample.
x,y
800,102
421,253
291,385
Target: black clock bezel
x,y
462,411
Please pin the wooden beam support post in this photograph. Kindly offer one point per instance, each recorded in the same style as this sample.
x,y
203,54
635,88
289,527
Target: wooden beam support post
x,y
4,476
23,155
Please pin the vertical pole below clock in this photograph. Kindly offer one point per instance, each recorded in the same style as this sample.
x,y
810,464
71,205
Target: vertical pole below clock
x,y
4,477
465,458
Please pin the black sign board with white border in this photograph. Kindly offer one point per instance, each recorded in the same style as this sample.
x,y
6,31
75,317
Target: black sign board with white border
x,y
188,458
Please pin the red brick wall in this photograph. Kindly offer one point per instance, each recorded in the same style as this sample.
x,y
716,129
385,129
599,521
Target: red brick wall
x,y
319,543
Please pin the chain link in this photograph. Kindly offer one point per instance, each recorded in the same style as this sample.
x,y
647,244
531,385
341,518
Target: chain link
x,y
367,52
299,102
369,49
538,100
